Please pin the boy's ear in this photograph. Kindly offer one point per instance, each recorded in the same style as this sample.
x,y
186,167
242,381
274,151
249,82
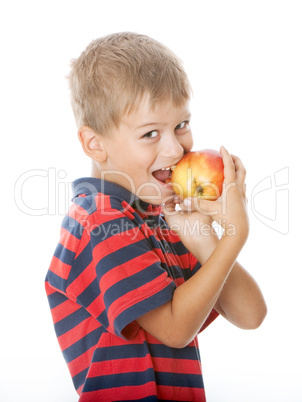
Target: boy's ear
x,y
92,144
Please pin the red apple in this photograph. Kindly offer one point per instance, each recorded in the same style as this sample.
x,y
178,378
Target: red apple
x,y
199,174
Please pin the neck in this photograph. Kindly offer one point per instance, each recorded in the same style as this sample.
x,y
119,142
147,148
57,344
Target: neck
x,y
95,170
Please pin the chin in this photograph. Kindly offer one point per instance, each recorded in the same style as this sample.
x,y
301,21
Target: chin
x,y
155,193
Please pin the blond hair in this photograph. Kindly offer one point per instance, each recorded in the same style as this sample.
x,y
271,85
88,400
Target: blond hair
x,y
113,73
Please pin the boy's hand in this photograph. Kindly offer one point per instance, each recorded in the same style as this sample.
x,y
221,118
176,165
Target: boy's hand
x,y
229,210
238,299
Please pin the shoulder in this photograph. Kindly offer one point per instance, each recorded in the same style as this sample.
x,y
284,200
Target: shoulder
x,y
100,207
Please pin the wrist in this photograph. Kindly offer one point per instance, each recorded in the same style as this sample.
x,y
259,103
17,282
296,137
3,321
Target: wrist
x,y
203,245
235,238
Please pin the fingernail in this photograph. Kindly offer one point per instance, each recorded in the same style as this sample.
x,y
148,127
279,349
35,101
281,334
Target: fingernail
x,y
187,202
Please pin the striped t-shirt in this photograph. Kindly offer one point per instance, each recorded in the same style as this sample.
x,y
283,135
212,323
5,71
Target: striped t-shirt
x,y
115,261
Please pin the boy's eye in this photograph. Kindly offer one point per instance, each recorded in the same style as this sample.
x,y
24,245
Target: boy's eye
x,y
182,125
151,134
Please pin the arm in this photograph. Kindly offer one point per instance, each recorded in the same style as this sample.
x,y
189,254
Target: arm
x,y
241,301
177,322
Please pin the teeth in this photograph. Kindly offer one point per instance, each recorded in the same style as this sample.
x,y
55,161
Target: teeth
x,y
169,168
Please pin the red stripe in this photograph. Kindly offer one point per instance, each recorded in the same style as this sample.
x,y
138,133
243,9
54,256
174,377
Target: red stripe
x,y
211,317
49,289
85,239
59,268
77,213
97,218
184,261
165,365
82,281
108,339
128,210
123,271
63,310
80,363
141,293
114,243
80,389
193,261
103,202
77,333
174,393
68,240
181,366
97,306
115,367
179,281
120,393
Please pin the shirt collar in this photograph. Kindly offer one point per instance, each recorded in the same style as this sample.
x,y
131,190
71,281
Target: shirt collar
x,y
92,185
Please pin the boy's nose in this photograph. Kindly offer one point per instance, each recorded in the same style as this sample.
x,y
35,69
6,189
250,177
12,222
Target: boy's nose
x,y
172,148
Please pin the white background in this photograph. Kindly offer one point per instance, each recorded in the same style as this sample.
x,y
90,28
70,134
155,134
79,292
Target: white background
x,y
244,62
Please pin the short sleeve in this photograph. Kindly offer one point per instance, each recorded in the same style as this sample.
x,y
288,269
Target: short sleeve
x,y
129,273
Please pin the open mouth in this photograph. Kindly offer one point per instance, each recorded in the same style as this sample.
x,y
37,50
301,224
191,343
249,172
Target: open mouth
x,y
164,174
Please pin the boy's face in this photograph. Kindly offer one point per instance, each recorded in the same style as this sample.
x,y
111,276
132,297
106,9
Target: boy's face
x,y
147,142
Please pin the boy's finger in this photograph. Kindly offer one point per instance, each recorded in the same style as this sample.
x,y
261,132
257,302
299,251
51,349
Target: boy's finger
x,y
205,207
240,170
169,206
229,167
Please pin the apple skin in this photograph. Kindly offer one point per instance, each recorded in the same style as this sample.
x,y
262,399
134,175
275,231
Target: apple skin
x,y
199,174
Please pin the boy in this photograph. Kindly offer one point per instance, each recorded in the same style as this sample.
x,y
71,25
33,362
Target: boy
x,y
127,294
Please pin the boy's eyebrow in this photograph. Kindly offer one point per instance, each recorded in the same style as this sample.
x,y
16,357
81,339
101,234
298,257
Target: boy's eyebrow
x,y
146,124
187,117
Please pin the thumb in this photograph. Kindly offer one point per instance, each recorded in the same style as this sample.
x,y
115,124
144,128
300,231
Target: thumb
x,y
205,207
168,207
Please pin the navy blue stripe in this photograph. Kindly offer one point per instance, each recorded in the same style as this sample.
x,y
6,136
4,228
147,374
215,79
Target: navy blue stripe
x,y
103,319
151,398
141,350
161,350
113,227
154,221
56,281
71,321
174,271
196,268
82,345
117,197
120,352
179,380
65,255
132,282
179,248
80,263
167,400
120,380
55,299
89,294
79,379
92,185
87,203
122,255
186,273
73,226
143,307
